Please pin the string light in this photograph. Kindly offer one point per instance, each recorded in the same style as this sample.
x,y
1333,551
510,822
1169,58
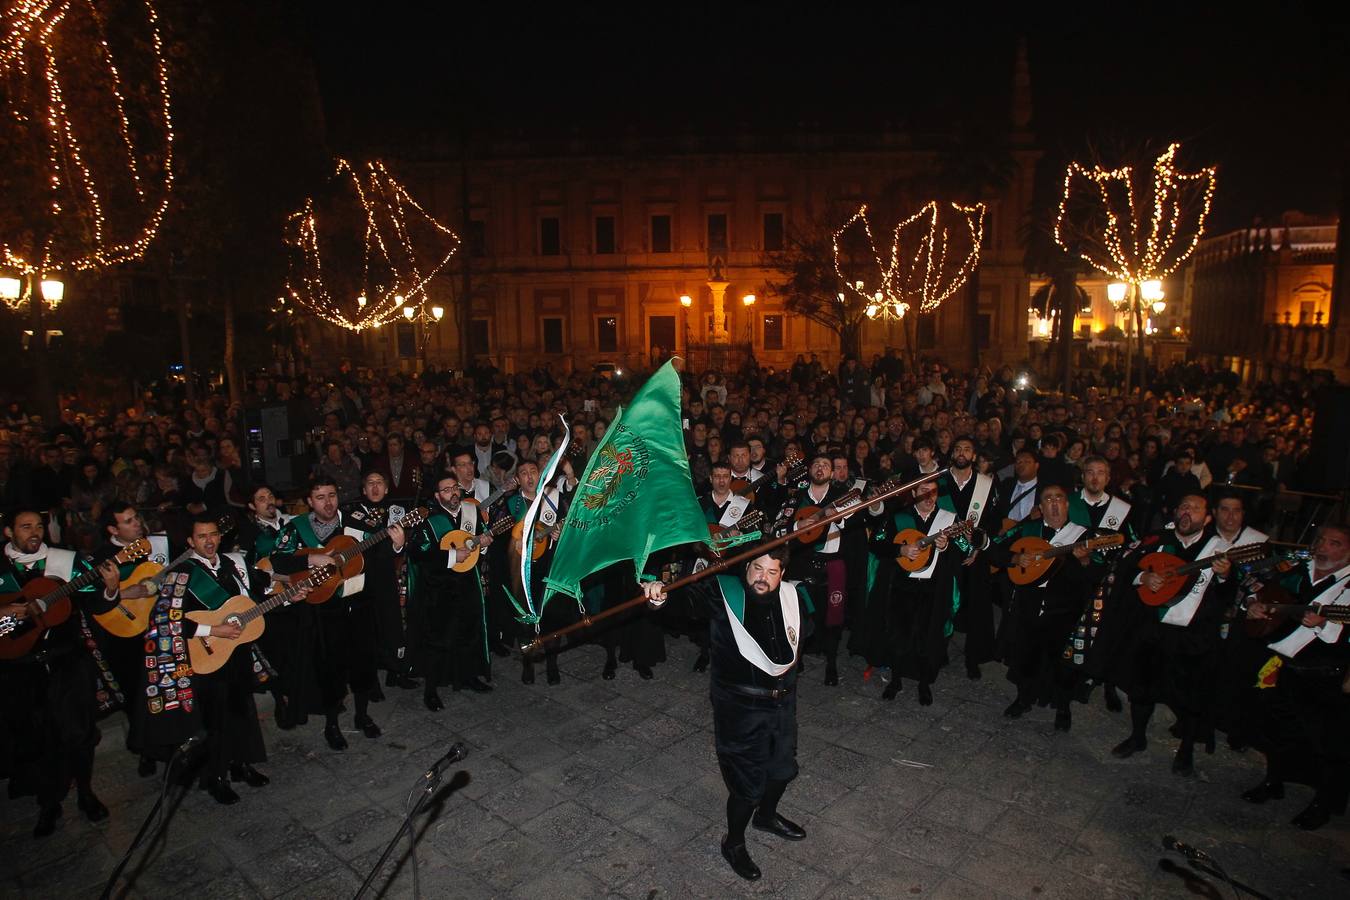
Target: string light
x,y
394,273
919,273
102,207
1117,251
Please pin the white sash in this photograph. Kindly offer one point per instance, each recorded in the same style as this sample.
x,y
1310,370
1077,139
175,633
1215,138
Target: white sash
x,y
1116,512
832,539
751,475
1067,535
468,521
979,498
941,520
860,484
354,584
1245,536
240,571
60,564
548,510
159,548
792,620
1182,612
736,508
1334,595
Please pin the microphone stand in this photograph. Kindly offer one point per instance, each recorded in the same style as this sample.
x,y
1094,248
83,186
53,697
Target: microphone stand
x,y
1206,863
432,779
178,755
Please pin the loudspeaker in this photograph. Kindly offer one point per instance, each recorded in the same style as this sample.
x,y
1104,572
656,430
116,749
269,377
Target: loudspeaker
x,y
276,454
1327,469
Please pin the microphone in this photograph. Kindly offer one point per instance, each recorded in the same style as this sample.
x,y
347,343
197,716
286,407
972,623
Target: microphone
x,y
1194,854
452,756
191,744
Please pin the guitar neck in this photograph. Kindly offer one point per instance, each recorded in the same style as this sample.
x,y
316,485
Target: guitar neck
x,y
278,599
78,583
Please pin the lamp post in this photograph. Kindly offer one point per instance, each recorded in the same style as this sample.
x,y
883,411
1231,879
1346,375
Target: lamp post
x,y
40,292
1131,298
437,313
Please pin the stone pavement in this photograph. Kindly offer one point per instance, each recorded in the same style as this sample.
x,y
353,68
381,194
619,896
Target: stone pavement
x,y
610,789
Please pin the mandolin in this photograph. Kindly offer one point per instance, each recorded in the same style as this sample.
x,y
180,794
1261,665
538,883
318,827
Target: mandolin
x,y
459,539
1045,555
1179,576
542,534
53,602
744,525
809,534
925,544
207,654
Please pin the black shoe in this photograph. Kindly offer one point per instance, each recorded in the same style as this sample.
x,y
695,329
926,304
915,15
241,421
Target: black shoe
x,y
92,807
1183,763
784,828
282,714
48,816
220,791
1063,721
248,775
1015,709
432,701
368,726
701,664
611,666
973,673
925,695
405,681
475,684
644,672
527,674
1266,790
499,648
146,767
376,694
831,677
1128,747
551,674
1113,703
333,735
891,690
741,863
1314,817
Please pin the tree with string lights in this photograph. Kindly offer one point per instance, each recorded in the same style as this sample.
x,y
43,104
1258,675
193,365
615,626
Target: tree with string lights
x,y
1134,227
86,154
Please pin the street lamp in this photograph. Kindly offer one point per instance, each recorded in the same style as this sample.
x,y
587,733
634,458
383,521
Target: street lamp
x,y
1115,292
437,312
1159,306
748,299
1151,290
686,301
409,312
361,301
10,288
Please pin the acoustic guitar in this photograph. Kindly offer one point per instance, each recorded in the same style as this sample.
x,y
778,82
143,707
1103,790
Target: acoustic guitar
x,y
925,544
1179,576
459,539
53,601
811,534
207,654
1281,606
745,524
347,553
1044,555
131,616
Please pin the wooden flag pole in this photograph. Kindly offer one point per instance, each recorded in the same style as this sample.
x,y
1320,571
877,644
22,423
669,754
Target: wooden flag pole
x,y
721,566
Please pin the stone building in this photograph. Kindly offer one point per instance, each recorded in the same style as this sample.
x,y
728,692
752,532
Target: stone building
x,y
1260,301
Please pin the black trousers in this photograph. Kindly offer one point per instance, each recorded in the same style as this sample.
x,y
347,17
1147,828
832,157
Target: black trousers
x,y
1307,733
756,741
449,631
229,715
347,649
47,730
976,616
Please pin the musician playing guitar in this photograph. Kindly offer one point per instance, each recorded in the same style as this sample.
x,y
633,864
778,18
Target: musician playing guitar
x,y
1308,712
1043,613
344,655
174,703
445,610
369,514
1169,653
823,566
972,496
47,697
1237,707
909,614
724,510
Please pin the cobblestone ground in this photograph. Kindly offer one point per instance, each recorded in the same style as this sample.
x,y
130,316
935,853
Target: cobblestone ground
x,y
610,789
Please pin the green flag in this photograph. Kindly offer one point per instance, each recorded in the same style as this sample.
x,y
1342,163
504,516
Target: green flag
x,y
636,496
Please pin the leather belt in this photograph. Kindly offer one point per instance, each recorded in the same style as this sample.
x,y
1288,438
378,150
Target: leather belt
x,y
759,693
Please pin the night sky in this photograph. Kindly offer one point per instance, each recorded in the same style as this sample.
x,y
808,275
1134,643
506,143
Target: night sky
x,y
1264,96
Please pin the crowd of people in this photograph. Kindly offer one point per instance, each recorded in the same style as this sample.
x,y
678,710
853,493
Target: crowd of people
x,y
1048,533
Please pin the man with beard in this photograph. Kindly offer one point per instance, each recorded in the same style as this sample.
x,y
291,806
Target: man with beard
x,y
824,567
1241,657
289,627
370,514
344,655
548,528
47,700
756,628
908,612
446,613
1170,652
972,497
1307,714
1042,614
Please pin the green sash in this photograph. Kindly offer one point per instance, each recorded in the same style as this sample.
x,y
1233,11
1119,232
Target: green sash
x,y
206,589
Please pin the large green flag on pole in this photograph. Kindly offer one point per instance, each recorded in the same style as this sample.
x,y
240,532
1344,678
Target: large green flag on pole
x,y
636,496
